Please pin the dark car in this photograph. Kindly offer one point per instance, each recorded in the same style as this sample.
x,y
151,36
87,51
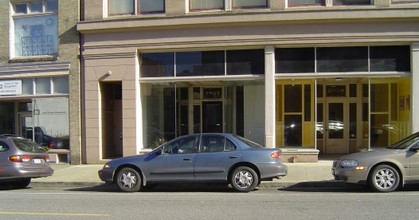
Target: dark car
x,y
383,169
216,157
43,139
21,160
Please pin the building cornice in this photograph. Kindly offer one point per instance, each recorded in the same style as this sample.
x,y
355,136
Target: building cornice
x,y
33,70
288,16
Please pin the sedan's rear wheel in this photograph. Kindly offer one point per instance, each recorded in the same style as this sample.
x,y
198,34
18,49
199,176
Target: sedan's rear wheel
x,y
128,180
384,178
244,179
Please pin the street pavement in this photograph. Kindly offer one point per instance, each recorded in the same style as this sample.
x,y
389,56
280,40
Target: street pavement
x,y
317,174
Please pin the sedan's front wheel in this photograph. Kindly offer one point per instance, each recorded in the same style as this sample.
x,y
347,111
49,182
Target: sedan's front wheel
x,y
128,180
244,179
384,178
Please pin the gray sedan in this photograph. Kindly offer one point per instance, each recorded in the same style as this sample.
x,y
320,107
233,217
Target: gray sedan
x,y
21,160
384,170
198,157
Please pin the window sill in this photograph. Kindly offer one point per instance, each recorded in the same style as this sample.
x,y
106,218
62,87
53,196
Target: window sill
x,y
33,59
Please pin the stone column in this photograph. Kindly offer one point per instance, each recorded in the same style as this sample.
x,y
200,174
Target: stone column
x,y
270,96
414,99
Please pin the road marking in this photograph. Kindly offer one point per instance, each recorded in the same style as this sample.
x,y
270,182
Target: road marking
x,y
55,214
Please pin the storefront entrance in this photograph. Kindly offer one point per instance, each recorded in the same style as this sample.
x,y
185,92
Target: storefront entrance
x,y
336,140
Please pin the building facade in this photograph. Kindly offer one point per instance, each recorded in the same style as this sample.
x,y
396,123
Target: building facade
x,y
39,73
310,77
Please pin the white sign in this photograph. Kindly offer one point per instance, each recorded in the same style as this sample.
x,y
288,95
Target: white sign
x,y
11,87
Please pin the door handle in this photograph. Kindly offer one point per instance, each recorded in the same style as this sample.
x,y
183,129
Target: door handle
x,y
187,159
233,157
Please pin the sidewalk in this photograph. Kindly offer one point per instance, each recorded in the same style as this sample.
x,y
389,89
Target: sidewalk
x,y
313,174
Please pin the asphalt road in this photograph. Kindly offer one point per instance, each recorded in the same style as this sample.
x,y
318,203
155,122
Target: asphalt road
x,y
206,202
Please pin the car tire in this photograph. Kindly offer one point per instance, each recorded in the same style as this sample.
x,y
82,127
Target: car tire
x,y
23,183
244,179
384,178
128,180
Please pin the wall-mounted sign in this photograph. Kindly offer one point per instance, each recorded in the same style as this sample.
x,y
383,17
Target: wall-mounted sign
x,y
10,87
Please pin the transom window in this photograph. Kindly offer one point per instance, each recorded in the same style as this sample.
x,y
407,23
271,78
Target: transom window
x,y
135,7
35,28
343,59
203,63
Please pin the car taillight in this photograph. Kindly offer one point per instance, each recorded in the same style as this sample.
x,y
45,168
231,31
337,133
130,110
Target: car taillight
x,y
20,158
276,154
46,158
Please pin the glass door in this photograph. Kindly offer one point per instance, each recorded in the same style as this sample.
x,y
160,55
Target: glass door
x,y
336,127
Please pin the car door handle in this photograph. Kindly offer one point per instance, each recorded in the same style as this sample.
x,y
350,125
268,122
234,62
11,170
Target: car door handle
x,y
187,159
233,157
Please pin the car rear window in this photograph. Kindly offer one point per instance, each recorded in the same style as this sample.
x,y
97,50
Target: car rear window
x,y
249,142
27,145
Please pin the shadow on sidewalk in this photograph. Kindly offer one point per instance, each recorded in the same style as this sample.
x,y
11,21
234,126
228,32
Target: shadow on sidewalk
x,y
325,186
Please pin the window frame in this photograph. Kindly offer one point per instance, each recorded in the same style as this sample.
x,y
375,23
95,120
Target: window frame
x,y
136,9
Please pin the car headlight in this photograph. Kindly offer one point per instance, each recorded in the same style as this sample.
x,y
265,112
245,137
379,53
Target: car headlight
x,y
348,163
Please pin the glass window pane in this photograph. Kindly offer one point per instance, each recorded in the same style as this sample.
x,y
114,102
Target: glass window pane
x,y
351,2
200,63
21,8
342,59
36,7
293,98
245,62
293,131
150,6
336,126
36,36
307,102
379,97
157,64
120,7
305,2
249,3
379,132
390,58
319,123
206,4
159,112
43,86
294,60
60,85
27,86
352,120
52,6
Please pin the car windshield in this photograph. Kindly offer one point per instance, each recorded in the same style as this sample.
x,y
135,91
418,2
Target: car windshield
x,y
27,145
405,142
249,142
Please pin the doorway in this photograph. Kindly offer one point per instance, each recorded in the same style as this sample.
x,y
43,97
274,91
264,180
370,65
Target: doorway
x,y
336,126
112,135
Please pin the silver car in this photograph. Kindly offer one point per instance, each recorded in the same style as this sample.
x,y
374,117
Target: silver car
x,y
21,160
199,157
384,170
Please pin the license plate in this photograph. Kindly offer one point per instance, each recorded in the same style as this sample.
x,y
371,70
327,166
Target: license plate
x,y
37,161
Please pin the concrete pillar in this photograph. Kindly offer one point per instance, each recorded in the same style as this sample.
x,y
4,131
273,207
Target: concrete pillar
x,y
270,96
414,99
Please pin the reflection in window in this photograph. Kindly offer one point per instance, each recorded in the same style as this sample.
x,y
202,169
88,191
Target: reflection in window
x,y
157,64
206,4
293,130
200,63
245,62
43,85
60,85
35,35
294,60
305,2
342,59
121,7
390,58
151,6
351,2
249,3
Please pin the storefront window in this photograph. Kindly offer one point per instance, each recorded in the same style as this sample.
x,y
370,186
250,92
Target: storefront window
x,y
294,60
200,63
342,59
240,62
43,85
